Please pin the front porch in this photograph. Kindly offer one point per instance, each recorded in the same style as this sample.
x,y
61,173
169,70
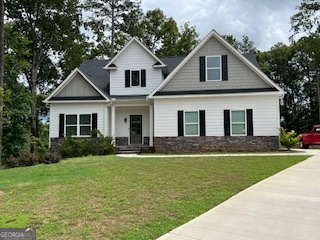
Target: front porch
x,y
132,125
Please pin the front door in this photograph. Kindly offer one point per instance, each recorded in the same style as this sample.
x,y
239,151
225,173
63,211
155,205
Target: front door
x,y
135,129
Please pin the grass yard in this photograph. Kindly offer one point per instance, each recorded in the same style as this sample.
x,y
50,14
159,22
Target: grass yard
x,y
110,197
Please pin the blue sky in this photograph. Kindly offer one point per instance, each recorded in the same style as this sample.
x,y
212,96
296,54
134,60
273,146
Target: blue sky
x,y
265,22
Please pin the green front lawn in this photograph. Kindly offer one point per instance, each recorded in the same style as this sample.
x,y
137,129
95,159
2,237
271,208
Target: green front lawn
x,y
109,197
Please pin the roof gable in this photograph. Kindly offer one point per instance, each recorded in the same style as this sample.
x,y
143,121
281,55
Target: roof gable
x,y
111,64
192,59
77,86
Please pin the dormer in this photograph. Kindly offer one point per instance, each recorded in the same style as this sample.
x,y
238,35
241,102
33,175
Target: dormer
x,y
135,70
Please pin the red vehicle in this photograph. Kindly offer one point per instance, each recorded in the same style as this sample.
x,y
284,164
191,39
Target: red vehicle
x,y
312,138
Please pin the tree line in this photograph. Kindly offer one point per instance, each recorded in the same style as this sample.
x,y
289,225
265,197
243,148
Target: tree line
x,y
45,40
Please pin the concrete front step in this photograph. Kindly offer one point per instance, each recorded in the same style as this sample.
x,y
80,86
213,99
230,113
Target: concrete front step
x,y
131,149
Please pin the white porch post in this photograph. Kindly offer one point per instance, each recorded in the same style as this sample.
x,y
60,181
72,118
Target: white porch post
x,y
151,123
113,122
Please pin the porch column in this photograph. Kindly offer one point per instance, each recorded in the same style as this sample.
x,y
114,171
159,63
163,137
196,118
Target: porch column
x,y
113,122
151,123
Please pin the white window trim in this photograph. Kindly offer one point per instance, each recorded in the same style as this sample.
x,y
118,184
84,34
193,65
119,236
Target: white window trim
x,y
78,125
184,124
220,68
245,122
138,70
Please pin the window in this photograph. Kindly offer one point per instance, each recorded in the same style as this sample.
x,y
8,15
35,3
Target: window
x,y
213,68
135,78
71,124
78,125
191,124
238,123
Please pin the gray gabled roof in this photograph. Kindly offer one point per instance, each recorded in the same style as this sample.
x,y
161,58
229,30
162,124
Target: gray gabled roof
x,y
252,58
93,69
172,63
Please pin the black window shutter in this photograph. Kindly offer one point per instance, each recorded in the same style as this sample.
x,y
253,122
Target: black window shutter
x,y
202,63
180,123
202,117
226,122
224,67
127,78
143,78
61,125
249,122
94,124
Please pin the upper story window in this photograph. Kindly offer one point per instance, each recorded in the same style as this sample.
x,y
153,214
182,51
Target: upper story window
x,y
135,78
214,68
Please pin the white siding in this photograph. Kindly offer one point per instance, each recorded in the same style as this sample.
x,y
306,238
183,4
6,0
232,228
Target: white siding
x,y
122,128
134,58
265,113
76,108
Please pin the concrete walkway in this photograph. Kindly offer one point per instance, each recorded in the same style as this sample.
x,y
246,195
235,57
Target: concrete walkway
x,y
309,152
285,206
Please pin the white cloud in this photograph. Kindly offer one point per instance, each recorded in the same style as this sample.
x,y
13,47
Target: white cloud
x,y
264,22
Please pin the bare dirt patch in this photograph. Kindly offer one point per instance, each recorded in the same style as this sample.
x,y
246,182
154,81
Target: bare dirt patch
x,y
1,193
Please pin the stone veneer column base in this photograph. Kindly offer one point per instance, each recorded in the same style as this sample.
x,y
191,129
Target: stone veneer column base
x,y
216,144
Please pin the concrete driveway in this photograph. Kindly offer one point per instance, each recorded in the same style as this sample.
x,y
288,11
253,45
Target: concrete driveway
x,y
285,206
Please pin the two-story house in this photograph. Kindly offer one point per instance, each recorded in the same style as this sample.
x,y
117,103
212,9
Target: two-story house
x,y
214,99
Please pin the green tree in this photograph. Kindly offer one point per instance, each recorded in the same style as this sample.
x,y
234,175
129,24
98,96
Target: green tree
x,y
307,19
1,69
106,18
52,29
162,36
16,130
307,22
246,46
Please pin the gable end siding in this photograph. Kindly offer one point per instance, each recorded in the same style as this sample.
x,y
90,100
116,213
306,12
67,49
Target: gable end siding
x,y
238,74
78,87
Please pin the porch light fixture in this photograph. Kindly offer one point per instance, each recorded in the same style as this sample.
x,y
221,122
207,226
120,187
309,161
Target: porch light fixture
x,y
125,119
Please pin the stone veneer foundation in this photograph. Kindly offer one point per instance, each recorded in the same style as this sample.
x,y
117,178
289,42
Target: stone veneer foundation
x,y
201,144
216,144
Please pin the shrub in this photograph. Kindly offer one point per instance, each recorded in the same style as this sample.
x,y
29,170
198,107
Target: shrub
x,y
51,157
22,160
27,159
288,139
40,147
104,145
70,148
11,162
73,147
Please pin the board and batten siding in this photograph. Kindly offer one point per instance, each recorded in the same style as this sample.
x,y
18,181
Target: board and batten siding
x,y
266,116
134,58
77,108
78,87
122,128
239,74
